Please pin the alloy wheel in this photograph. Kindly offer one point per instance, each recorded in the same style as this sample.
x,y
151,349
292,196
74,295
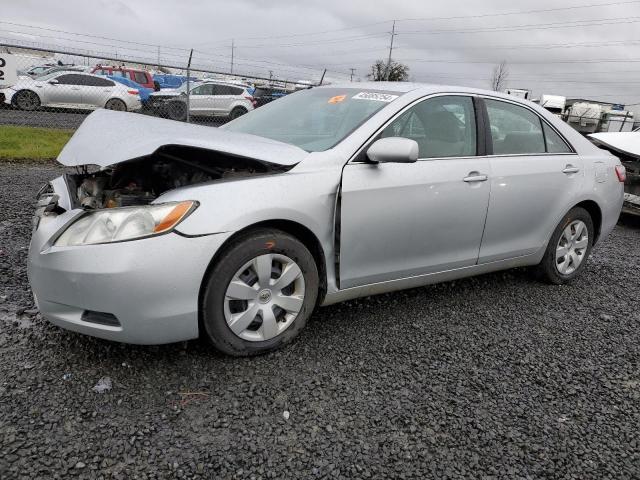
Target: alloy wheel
x,y
572,247
27,101
264,297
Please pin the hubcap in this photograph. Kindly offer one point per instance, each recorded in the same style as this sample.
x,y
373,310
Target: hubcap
x,y
264,297
572,247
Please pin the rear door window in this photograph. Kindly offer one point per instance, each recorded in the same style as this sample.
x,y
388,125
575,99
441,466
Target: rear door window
x,y
555,143
515,130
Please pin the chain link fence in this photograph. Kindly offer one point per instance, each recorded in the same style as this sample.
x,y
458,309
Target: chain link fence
x,y
42,87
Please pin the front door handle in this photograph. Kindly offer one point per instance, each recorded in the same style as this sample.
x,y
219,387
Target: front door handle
x,y
475,177
569,169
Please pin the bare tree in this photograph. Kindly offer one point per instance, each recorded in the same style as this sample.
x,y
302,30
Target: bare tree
x,y
500,76
396,72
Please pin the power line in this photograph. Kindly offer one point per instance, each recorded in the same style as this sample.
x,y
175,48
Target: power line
x,y
532,26
457,17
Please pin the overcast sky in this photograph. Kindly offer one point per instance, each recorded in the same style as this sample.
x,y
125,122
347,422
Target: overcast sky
x,y
453,42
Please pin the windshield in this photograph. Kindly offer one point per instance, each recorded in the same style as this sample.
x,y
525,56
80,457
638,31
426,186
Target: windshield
x,y
314,120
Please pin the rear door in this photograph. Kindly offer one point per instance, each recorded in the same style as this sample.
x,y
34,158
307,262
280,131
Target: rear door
x,y
226,95
96,91
536,178
400,220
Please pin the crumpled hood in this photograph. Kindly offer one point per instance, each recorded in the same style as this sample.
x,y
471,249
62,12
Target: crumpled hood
x,y
107,137
627,143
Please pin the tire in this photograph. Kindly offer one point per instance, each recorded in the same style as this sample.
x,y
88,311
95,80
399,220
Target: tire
x,y
176,111
560,269
253,334
237,112
26,100
116,104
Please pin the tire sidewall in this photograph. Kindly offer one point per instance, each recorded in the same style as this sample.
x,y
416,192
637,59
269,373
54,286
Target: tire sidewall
x,y
239,253
238,112
113,101
26,92
549,262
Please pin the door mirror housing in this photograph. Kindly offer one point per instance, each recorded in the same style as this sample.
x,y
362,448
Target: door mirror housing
x,y
393,150
53,81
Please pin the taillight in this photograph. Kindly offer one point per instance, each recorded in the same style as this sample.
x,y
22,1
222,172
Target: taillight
x,y
621,172
132,92
253,101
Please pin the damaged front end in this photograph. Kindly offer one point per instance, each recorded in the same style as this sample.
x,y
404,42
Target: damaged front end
x,y
142,180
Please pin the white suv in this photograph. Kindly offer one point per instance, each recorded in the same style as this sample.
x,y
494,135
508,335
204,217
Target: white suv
x,y
207,99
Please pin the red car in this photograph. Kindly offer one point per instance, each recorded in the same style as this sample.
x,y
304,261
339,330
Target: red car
x,y
141,77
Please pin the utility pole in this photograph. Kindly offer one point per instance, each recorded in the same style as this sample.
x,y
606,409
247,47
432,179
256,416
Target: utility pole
x,y
158,57
233,47
353,71
393,34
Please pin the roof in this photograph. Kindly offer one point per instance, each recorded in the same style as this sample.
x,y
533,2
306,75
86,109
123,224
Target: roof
x,y
425,88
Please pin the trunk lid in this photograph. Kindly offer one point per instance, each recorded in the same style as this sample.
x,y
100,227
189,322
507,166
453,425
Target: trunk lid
x,y
106,138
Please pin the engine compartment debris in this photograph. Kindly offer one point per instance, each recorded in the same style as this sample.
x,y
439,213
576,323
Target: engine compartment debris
x,y
142,180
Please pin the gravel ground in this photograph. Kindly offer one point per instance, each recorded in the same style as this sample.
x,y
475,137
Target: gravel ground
x,y
492,377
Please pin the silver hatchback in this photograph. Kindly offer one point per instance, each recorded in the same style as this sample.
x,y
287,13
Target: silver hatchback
x,y
328,194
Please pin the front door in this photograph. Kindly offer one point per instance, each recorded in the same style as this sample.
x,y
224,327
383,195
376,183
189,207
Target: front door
x,y
402,220
66,90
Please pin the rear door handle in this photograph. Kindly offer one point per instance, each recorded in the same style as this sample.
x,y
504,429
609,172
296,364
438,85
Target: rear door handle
x,y
475,177
570,169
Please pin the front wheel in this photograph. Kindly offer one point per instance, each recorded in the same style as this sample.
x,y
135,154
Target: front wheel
x,y
260,293
568,249
26,100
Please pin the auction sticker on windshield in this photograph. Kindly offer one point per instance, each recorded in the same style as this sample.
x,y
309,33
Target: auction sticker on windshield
x,y
379,97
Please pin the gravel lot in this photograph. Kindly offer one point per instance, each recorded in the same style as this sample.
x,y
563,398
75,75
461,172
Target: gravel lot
x,y
492,377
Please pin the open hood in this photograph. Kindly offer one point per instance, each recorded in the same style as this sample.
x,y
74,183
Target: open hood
x,y
106,138
627,143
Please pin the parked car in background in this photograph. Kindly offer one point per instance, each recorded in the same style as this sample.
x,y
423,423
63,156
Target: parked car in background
x,y
333,193
144,92
626,146
40,70
170,81
141,77
72,90
207,99
264,95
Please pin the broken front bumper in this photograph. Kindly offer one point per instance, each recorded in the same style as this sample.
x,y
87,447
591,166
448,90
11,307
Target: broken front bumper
x,y
142,291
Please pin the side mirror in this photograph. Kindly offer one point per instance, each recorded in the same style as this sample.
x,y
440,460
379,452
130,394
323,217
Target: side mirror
x,y
393,150
53,81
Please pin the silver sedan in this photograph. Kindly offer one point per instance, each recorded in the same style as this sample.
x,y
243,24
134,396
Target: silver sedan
x,y
237,234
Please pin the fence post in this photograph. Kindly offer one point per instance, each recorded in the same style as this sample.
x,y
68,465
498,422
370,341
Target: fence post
x,y
189,85
626,115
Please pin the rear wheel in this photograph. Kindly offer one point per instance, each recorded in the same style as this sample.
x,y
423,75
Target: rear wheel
x,y
260,293
237,112
568,248
116,104
26,100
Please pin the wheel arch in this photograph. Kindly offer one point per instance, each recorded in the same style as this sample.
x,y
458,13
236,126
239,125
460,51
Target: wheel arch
x,y
595,212
296,230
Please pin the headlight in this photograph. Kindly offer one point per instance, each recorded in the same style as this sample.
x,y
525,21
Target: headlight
x,y
129,223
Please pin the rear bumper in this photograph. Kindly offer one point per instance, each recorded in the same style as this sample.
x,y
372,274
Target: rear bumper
x,y
150,286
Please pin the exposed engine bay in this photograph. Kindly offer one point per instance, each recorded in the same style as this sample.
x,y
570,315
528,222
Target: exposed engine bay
x,y
140,181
